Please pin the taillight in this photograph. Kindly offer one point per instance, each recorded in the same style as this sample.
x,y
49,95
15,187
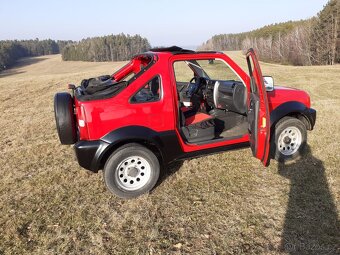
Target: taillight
x,y
81,123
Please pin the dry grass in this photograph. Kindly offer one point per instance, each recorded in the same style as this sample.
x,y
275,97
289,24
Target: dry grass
x,y
221,204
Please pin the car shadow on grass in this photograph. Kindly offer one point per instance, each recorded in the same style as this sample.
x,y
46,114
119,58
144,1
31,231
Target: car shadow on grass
x,y
311,223
167,171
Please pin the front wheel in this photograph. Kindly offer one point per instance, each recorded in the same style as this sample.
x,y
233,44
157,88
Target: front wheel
x,y
289,140
131,170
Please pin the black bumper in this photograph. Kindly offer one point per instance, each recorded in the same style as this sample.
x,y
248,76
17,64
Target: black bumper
x,y
89,154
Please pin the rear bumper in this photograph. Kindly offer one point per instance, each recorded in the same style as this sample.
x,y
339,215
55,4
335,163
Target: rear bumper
x,y
89,154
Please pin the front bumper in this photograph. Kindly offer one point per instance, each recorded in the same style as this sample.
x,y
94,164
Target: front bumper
x,y
311,115
90,153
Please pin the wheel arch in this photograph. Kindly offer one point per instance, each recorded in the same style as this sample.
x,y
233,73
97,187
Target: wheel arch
x,y
115,146
164,144
292,109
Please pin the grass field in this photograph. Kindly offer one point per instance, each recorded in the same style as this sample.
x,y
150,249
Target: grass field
x,y
221,204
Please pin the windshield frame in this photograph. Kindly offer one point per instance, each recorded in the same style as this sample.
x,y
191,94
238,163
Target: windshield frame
x,y
196,68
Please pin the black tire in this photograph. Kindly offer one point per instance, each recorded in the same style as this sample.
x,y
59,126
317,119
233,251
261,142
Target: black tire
x,y
64,117
284,125
113,173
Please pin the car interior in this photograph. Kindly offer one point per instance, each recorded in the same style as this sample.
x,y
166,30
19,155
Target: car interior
x,y
210,108
149,93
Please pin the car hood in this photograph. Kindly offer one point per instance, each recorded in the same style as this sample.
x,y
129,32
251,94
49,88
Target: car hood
x,y
282,95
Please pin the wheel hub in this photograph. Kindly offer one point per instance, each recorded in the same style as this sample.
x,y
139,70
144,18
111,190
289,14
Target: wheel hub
x,y
132,172
287,140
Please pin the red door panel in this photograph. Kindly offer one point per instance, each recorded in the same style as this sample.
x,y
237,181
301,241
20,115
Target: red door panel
x,y
258,112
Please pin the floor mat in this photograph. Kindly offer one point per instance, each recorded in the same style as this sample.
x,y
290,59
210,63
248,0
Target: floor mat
x,y
238,130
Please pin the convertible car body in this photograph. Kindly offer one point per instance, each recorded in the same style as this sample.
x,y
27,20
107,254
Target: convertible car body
x,y
170,104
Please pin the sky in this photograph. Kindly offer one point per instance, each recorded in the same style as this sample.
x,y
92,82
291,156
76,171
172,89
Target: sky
x,y
164,23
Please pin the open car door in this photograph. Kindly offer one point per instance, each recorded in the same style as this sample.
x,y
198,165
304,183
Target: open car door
x,y
258,112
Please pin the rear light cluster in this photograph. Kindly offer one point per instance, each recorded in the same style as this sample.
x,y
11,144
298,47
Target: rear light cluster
x,y
81,122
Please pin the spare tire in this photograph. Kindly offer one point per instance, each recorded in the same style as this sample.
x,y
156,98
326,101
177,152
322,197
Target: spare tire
x,y
65,118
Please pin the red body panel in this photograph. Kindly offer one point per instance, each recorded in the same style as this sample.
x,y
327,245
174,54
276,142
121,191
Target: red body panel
x,y
103,116
281,95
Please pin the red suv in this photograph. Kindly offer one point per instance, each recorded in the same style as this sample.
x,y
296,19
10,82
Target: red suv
x,y
171,104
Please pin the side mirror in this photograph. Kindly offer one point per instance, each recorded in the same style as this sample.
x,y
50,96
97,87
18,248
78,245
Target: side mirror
x,y
268,83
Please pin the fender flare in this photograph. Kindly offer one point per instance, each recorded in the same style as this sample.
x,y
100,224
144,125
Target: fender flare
x,y
166,142
293,107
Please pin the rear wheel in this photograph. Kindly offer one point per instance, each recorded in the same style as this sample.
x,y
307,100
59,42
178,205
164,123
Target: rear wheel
x,y
131,170
289,140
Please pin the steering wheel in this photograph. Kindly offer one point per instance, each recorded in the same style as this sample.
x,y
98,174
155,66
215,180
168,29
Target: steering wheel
x,y
192,79
192,88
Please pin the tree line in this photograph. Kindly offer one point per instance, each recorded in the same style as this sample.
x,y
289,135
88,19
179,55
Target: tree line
x,y
325,35
106,48
12,50
315,41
